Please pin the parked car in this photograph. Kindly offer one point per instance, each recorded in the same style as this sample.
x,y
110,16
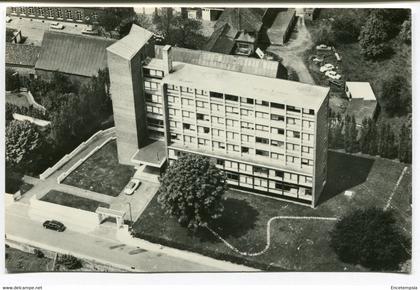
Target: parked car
x,y
90,30
56,25
54,225
132,186
323,47
337,83
317,60
8,19
332,74
326,67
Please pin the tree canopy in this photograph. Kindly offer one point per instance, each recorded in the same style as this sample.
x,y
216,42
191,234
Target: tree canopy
x,y
192,190
23,145
373,36
395,95
12,80
370,237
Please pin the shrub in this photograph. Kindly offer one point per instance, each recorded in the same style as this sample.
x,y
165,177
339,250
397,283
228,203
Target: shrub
x,y
70,262
370,238
39,253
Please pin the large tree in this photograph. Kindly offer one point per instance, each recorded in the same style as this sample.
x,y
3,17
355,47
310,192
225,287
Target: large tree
x,y
370,237
404,145
192,190
373,36
24,144
177,30
395,95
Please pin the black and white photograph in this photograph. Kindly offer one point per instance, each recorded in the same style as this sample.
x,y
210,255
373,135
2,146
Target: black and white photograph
x,y
208,139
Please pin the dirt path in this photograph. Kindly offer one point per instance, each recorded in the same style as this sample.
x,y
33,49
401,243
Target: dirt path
x,y
292,53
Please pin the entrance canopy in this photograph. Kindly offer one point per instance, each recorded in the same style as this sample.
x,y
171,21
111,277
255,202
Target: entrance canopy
x,y
153,154
104,213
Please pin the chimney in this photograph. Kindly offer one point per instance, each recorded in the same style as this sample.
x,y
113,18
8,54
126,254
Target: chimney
x,y
167,59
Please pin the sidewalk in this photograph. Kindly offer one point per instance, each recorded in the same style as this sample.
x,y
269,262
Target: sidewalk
x,y
100,245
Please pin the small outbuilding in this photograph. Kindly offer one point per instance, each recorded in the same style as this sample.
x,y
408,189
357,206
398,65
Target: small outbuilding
x,y
362,101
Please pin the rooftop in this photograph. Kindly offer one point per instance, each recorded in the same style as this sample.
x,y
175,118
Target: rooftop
x,y
248,19
266,68
279,27
73,54
361,90
21,54
247,85
220,41
153,154
129,45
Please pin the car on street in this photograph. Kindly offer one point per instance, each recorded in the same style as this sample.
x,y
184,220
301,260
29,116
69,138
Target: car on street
x,y
8,19
326,67
332,74
90,30
56,25
54,225
132,186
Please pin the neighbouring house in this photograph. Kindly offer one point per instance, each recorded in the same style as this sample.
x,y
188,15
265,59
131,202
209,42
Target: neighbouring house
x,y
148,10
22,58
204,13
78,56
310,13
270,136
239,28
279,32
362,101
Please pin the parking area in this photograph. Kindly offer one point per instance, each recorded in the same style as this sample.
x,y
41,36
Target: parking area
x,y
33,29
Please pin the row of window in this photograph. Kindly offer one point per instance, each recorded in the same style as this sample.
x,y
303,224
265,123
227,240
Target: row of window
x,y
257,170
233,98
51,12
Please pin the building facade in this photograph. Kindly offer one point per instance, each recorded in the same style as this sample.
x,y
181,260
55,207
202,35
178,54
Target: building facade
x,y
67,14
268,135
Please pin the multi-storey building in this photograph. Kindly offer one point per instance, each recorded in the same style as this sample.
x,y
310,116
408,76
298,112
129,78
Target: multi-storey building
x,y
268,135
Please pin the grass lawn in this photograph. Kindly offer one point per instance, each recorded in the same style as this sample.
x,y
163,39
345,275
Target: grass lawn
x,y
18,261
296,245
101,172
75,201
354,67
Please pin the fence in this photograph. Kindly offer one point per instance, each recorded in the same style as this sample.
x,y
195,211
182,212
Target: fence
x,y
66,158
63,175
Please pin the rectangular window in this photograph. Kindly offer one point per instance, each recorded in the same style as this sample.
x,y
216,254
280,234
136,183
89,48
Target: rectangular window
x,y
261,128
261,115
246,138
232,176
245,112
261,140
262,103
247,125
244,149
277,131
277,155
293,109
277,105
232,110
150,85
220,162
308,111
231,98
291,121
293,134
216,95
275,117
232,123
277,143
260,170
262,153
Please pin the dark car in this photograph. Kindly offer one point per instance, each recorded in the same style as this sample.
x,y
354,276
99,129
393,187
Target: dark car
x,y
54,225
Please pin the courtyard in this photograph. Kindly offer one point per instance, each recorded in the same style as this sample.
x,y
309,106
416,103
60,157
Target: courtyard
x,y
274,235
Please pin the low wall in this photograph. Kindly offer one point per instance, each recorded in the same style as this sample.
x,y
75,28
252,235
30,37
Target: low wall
x,y
73,218
63,175
32,101
66,158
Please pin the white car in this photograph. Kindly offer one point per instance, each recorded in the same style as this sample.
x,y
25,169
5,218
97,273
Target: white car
x,y
323,47
8,19
90,30
326,67
56,25
132,186
317,60
332,74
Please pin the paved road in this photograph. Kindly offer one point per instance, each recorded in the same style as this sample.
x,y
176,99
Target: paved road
x,y
34,29
292,53
100,245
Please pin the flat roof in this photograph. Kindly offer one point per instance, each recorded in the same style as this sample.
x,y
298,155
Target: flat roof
x,y
247,85
361,90
129,45
153,154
